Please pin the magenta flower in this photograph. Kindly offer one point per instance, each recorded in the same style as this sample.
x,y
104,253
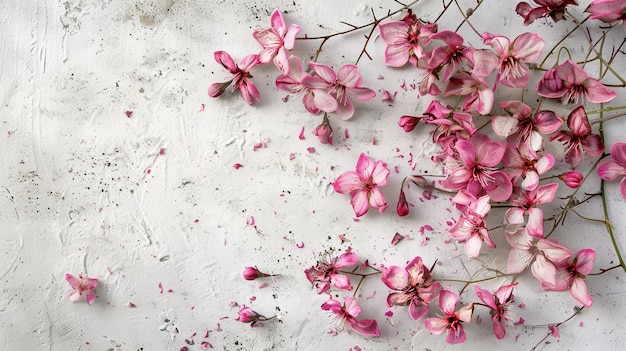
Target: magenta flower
x,y
242,79
522,127
579,139
363,185
571,83
247,315
519,161
82,286
326,272
471,227
526,48
405,39
414,287
348,313
608,11
479,156
314,100
571,276
553,8
525,205
572,179
451,320
276,40
402,208
615,166
500,304
343,86
408,123
252,273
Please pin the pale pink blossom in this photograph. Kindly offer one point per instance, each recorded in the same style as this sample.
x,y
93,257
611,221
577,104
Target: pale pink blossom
x,y
522,127
452,320
242,79
608,11
276,40
471,228
525,210
526,48
454,56
553,8
343,86
571,276
579,139
405,39
348,313
326,272
363,184
570,82
478,96
540,254
500,303
615,166
82,286
413,285
521,162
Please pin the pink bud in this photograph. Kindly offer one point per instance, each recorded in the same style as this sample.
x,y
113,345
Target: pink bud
x,y
403,207
324,133
252,273
572,179
217,89
408,123
247,315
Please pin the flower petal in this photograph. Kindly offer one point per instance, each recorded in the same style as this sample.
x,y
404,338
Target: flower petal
x,y
347,182
579,292
395,278
360,202
349,76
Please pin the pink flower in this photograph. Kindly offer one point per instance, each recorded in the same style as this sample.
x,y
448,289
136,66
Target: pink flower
x,y
241,77
478,96
405,39
326,272
608,11
82,286
479,156
247,315
451,321
615,166
579,139
571,83
252,273
573,179
552,8
525,204
454,55
519,161
408,123
414,287
572,276
343,86
348,313
526,48
500,304
522,127
363,185
448,123
314,100
276,40
471,227
324,132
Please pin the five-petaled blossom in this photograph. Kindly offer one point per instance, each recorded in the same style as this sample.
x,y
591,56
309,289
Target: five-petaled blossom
x,y
520,161
553,8
570,82
615,166
525,204
348,313
471,227
571,275
405,39
451,320
82,286
579,139
242,79
500,304
363,184
276,40
326,272
414,286
608,11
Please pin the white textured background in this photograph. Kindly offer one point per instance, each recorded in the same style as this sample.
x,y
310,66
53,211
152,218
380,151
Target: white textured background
x,y
84,188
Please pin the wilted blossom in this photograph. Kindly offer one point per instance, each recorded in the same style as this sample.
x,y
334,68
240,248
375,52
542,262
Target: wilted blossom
x,y
408,123
615,166
405,39
242,79
247,315
571,276
402,208
413,285
276,40
579,139
363,184
348,313
471,228
82,286
608,11
452,320
343,86
553,8
500,304
571,83
314,100
325,272
573,179
525,203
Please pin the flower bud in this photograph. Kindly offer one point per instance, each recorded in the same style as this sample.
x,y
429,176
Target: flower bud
x,y
324,133
247,315
408,123
252,273
572,179
217,89
403,207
